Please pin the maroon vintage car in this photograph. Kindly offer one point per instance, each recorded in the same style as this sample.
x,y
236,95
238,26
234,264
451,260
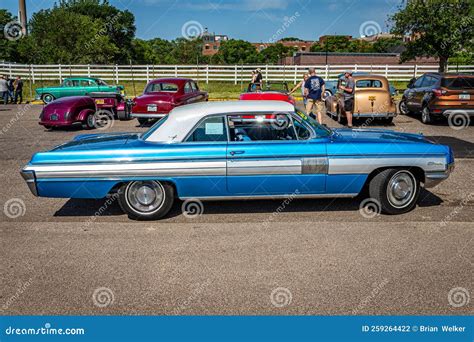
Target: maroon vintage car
x,y
162,95
93,111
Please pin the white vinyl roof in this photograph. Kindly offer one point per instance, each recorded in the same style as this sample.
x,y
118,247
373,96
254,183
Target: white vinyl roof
x,y
182,119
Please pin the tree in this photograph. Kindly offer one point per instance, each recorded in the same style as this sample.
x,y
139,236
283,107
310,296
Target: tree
x,y
154,51
237,51
382,45
439,28
187,51
273,53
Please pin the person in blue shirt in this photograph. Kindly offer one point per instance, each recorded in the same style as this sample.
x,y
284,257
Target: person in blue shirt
x,y
314,90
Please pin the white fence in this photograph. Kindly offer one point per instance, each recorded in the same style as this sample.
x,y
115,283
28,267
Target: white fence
x,y
208,73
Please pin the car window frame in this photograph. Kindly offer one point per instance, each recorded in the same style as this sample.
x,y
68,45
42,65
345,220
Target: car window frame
x,y
184,88
191,131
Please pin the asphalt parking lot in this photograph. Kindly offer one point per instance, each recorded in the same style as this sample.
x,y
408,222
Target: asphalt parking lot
x,y
318,257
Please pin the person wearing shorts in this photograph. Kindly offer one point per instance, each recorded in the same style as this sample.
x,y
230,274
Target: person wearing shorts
x,y
347,88
314,90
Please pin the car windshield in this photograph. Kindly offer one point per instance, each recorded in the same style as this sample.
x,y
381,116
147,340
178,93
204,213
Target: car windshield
x,y
279,86
321,131
153,128
162,87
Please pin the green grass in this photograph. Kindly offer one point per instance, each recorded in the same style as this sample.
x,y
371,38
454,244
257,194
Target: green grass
x,y
216,90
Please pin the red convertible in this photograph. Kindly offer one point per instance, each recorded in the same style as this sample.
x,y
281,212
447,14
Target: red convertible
x,y
277,91
164,94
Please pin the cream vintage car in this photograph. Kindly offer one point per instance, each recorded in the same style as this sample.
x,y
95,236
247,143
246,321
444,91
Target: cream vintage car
x,y
372,99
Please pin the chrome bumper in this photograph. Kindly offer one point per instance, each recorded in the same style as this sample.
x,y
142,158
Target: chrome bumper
x,y
434,178
374,115
30,179
147,116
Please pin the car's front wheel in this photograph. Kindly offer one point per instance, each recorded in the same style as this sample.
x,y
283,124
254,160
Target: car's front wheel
x,y
395,190
426,116
47,98
146,200
91,122
403,107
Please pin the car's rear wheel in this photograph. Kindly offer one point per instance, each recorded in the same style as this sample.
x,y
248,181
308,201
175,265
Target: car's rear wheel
x,y
426,116
47,98
146,200
395,190
90,122
403,107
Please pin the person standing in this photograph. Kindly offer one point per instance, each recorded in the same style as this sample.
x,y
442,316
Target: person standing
x,y
314,90
347,87
258,79
4,90
18,90
11,88
251,86
301,86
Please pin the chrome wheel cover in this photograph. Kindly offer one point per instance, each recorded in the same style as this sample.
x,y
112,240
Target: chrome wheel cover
x,y
48,98
403,107
401,189
145,197
425,115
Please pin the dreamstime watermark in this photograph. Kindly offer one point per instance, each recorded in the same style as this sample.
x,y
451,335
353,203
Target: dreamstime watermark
x,y
287,21
13,30
279,121
196,292
192,208
377,288
47,329
14,208
104,119
104,30
370,208
192,30
103,297
108,202
459,119
281,297
19,114
369,28
21,289
280,208
457,210
458,297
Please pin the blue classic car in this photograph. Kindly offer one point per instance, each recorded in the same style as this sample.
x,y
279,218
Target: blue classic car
x,y
239,150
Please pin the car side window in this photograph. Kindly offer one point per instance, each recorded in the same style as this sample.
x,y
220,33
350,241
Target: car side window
x,y
194,86
187,88
301,130
211,129
418,82
84,83
428,81
67,83
261,127
75,83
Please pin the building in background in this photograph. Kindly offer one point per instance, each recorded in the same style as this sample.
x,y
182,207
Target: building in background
x,y
351,58
212,42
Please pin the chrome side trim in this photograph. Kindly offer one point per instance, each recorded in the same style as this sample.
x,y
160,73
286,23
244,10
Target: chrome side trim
x,y
146,116
374,115
245,167
262,197
209,168
314,166
30,180
339,166
434,178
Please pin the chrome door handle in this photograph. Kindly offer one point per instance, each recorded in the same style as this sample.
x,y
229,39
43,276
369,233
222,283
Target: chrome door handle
x,y
232,153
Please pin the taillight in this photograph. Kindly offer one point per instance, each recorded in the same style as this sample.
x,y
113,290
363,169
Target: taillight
x,y
439,92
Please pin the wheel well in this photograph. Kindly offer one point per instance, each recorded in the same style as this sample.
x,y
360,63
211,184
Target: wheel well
x,y
417,172
117,186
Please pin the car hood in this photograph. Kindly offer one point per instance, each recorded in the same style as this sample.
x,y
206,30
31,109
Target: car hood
x,y
377,135
97,141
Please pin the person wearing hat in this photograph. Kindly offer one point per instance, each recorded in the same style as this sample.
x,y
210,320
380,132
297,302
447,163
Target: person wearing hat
x,y
347,87
313,90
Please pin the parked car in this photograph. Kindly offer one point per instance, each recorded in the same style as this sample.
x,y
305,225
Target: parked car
x,y
272,91
332,85
239,150
76,86
69,111
437,95
372,99
164,94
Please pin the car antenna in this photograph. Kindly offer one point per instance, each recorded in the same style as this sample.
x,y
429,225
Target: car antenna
x,y
133,79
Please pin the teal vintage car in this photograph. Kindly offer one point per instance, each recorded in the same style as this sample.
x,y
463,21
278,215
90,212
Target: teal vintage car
x,y
76,86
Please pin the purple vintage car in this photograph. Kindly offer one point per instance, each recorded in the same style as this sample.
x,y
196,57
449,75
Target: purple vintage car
x,y
92,111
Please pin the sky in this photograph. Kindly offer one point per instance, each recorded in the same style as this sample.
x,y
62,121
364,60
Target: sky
x,y
251,20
